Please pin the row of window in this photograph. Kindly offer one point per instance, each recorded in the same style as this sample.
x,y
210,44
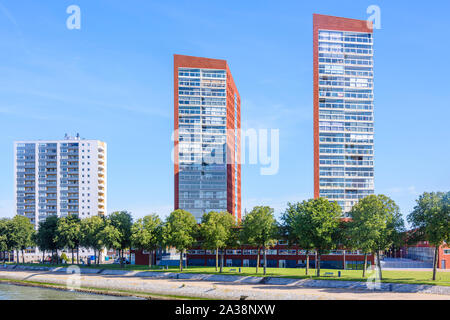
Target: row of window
x,y
363,62
187,72
324,115
340,128
334,93
348,71
272,252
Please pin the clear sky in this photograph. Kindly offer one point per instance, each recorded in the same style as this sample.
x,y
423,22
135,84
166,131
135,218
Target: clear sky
x,y
112,80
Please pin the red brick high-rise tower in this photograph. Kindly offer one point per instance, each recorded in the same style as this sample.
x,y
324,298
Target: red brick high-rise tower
x,y
207,122
343,109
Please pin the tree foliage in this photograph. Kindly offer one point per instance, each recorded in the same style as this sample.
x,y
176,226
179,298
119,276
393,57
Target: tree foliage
x,y
122,221
146,234
68,233
109,236
22,232
376,224
179,231
259,228
91,233
216,231
45,235
431,218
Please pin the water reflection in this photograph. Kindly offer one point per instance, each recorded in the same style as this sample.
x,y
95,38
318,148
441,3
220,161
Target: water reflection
x,y
15,292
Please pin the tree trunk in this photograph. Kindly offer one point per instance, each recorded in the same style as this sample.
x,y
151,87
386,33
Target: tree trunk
x,y
150,258
121,258
344,260
318,264
221,260
23,257
181,260
307,262
43,256
435,262
265,260
217,259
78,255
257,260
365,265
17,257
73,257
379,265
315,261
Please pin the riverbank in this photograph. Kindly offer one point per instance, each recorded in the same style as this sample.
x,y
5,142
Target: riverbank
x,y
391,276
23,290
96,291
150,287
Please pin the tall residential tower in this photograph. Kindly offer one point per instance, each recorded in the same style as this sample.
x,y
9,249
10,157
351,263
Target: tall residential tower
x,y
207,137
343,109
60,177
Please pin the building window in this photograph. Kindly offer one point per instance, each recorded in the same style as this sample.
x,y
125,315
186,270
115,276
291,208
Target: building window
x,y
287,252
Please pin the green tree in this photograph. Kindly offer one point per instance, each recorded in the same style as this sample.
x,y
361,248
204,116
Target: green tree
x,y
45,235
259,228
216,231
179,231
91,236
3,237
21,233
6,230
146,235
343,239
110,236
317,222
375,225
68,234
297,228
3,242
122,221
431,216
3,245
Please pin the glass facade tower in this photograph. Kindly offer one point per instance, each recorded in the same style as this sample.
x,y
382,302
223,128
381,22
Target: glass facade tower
x,y
343,110
207,116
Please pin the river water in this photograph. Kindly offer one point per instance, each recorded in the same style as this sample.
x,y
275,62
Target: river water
x,y
14,292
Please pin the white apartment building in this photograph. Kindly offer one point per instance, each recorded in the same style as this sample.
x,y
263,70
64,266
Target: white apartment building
x,y
60,177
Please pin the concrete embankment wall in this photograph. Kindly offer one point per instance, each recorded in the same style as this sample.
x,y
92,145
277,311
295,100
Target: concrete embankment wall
x,y
305,283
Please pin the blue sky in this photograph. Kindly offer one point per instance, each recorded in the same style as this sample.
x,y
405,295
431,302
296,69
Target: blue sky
x,y
113,81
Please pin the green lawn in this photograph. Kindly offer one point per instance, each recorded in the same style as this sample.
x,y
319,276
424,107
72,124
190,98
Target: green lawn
x,y
390,276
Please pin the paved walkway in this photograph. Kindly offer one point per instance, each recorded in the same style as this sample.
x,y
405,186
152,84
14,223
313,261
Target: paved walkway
x,y
212,289
416,269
